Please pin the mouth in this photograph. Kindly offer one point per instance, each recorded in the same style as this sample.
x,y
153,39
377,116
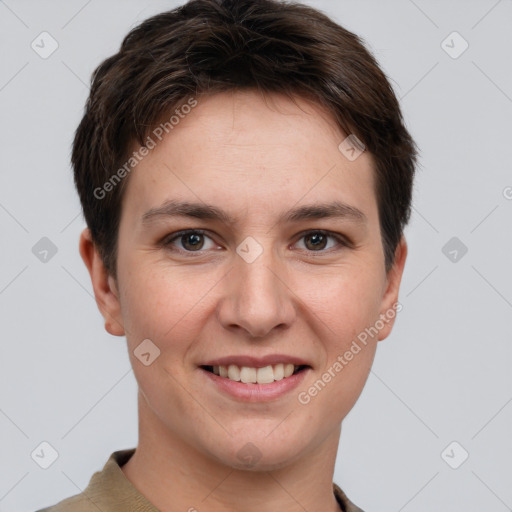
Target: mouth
x,y
256,375
255,380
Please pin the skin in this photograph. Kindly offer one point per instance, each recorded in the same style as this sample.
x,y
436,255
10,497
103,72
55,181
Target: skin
x,y
255,158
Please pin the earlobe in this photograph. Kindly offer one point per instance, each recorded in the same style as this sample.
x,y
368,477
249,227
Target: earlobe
x,y
104,286
390,304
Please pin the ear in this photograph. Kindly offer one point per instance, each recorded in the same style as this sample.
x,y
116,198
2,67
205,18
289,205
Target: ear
x,y
104,285
390,305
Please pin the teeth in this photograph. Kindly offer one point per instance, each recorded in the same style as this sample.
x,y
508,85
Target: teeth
x,y
247,375
279,371
288,369
233,372
265,375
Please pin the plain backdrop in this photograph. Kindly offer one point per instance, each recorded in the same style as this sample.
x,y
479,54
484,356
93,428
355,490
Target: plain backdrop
x,y
441,386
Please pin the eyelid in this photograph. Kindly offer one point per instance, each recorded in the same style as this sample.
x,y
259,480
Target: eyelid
x,y
341,239
168,239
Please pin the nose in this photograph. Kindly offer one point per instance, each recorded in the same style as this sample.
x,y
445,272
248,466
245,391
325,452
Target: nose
x,y
257,298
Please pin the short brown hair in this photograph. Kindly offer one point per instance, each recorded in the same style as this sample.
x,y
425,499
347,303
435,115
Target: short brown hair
x,y
210,46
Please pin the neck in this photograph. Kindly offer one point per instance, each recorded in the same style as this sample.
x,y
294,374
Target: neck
x,y
173,475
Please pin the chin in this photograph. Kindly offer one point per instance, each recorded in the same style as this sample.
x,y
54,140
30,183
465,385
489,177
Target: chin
x,y
258,453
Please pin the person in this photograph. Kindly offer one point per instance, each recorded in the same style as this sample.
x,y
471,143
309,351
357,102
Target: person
x,y
246,175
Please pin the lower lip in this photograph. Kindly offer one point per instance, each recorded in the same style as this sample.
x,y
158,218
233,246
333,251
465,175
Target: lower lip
x,y
256,392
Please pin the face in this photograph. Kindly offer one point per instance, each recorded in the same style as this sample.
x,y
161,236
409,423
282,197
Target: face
x,y
248,240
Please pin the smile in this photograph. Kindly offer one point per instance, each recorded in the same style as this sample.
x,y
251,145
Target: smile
x,y
252,375
246,383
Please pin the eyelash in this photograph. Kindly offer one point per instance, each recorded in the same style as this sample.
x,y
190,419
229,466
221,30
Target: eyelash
x,y
167,241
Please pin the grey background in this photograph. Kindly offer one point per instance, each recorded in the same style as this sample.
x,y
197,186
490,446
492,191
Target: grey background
x,y
443,375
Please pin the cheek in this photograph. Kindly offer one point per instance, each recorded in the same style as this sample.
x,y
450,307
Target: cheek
x,y
353,306
346,301
346,310
164,306
157,300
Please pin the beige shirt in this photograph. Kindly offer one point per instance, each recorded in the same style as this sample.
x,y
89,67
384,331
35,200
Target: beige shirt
x,y
110,491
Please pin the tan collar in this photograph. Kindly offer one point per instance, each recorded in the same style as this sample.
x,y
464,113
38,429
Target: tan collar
x,y
110,487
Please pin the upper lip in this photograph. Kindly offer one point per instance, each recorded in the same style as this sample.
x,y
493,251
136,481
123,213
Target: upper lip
x,y
256,362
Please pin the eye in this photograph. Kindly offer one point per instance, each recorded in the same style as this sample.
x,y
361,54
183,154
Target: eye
x,y
318,240
191,240
196,240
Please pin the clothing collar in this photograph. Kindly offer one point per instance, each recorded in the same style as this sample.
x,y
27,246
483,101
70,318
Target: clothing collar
x,y
112,477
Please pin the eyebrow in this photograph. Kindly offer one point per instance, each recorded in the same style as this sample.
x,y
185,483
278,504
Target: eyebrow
x,y
174,208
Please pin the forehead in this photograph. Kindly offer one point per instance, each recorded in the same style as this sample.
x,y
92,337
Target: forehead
x,y
246,152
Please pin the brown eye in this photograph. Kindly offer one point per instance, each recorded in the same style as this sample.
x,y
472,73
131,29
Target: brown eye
x,y
319,241
192,241
189,241
315,241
